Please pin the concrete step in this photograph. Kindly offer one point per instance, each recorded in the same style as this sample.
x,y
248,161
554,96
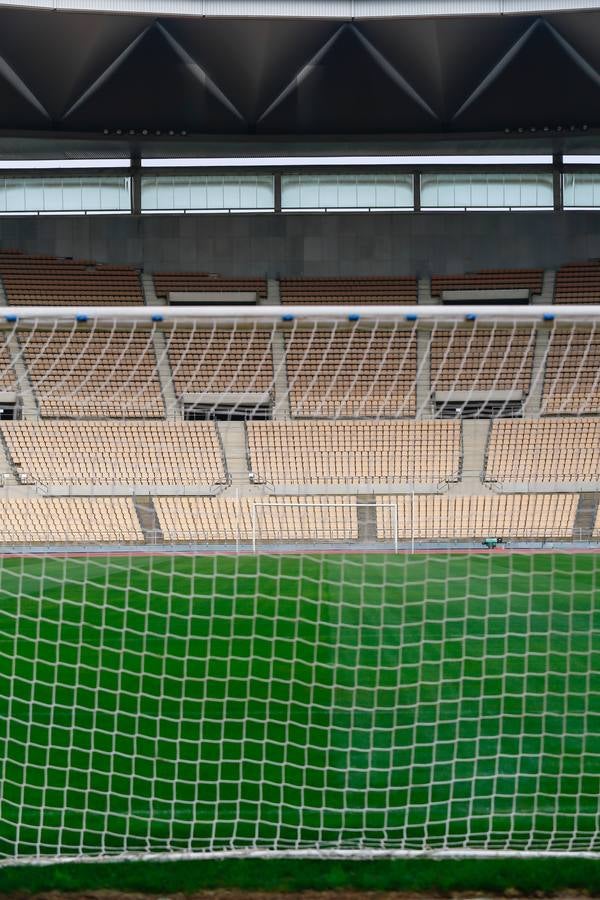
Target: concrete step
x,y
273,297
424,291
474,436
165,376
8,473
29,406
585,517
281,399
233,441
150,297
148,519
533,401
546,298
423,384
367,517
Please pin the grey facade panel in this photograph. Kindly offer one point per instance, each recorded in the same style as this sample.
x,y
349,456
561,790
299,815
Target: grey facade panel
x,y
350,244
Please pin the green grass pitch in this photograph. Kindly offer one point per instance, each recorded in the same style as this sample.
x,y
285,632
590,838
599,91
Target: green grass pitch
x,y
377,700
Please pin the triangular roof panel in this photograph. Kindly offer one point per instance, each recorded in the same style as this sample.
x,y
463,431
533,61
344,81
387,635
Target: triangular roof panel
x,y
347,88
153,87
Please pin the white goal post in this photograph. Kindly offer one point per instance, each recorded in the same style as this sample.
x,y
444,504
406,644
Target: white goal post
x,y
244,606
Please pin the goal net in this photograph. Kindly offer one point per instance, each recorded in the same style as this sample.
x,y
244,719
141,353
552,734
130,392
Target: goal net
x,y
316,581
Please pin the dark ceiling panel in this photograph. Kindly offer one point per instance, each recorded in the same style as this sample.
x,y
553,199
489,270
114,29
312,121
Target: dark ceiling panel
x,y
251,60
64,53
582,30
436,78
17,108
347,90
153,88
541,85
445,59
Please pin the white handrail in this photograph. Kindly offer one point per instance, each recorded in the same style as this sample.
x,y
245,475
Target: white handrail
x,y
413,313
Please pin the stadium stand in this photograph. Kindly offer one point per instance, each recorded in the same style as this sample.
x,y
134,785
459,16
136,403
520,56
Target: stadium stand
x,y
476,517
171,282
56,281
358,452
120,453
203,360
549,450
572,374
8,379
373,374
401,290
81,520
578,283
267,518
489,279
466,359
93,373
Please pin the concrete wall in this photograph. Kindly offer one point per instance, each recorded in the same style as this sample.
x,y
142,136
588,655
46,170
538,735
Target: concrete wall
x,y
313,244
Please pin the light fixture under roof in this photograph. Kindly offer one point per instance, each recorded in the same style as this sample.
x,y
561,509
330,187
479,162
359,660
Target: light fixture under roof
x,y
416,162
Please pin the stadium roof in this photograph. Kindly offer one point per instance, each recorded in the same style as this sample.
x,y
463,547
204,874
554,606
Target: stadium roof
x,y
128,81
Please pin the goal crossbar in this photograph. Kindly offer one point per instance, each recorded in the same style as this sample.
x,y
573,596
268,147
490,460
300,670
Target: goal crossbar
x,y
268,314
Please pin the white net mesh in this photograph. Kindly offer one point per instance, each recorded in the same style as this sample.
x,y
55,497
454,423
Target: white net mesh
x,y
299,582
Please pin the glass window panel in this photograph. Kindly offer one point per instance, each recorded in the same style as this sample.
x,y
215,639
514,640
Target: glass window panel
x,y
290,191
581,189
183,196
480,194
53,195
207,192
265,197
68,194
308,193
365,193
215,194
237,197
164,193
346,191
477,190
92,195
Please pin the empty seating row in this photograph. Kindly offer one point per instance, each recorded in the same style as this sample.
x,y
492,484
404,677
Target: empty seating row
x,y
37,280
359,291
572,372
130,453
482,358
551,450
257,519
212,360
8,378
526,516
85,520
92,373
314,452
123,453
360,373
281,519
578,283
50,280
331,372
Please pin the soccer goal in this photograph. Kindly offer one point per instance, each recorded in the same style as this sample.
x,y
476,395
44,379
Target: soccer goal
x,y
299,581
